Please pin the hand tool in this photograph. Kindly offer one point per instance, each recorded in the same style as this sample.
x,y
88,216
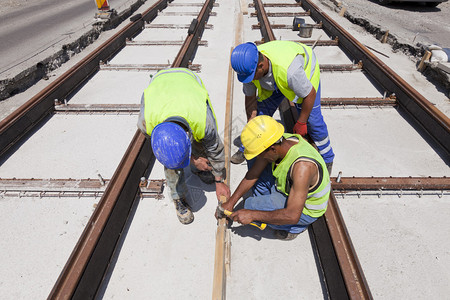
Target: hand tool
x,y
228,213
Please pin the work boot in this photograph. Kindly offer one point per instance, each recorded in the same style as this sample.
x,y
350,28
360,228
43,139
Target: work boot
x,y
285,235
238,157
184,213
206,176
329,167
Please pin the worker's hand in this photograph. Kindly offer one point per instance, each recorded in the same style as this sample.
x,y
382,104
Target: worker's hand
x,y
242,216
227,206
201,163
222,190
300,128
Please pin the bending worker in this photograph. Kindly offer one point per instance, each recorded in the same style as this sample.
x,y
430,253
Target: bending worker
x,y
281,69
290,180
177,113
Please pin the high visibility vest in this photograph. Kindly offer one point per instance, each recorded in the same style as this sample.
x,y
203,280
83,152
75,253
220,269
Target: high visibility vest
x,y
317,199
281,54
177,92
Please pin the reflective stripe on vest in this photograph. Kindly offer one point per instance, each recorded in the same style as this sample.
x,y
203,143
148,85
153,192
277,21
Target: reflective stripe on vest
x,y
176,92
281,54
320,194
317,200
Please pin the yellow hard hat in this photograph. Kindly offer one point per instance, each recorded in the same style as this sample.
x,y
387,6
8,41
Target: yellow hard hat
x,y
259,134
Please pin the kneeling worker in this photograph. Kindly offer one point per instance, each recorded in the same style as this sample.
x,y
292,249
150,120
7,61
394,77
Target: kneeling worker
x,y
289,177
176,112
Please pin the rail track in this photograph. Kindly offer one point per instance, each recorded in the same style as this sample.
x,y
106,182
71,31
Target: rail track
x,y
125,60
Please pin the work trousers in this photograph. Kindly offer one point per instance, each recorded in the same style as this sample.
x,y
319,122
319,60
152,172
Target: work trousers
x,y
317,128
175,178
267,198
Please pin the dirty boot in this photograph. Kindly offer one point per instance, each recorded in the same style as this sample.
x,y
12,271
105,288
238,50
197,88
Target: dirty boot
x,y
206,176
285,235
238,157
329,167
184,213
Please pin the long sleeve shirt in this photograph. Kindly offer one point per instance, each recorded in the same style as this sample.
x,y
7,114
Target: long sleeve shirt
x,y
211,143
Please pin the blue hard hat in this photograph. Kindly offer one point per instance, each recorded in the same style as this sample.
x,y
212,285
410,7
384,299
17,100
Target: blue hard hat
x,y
244,60
171,145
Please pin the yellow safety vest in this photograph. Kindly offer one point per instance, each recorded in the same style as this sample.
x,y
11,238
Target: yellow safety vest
x,y
281,54
177,92
317,199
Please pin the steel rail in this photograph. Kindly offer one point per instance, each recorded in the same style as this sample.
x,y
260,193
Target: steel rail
x,y
91,258
390,183
343,274
14,127
338,183
435,123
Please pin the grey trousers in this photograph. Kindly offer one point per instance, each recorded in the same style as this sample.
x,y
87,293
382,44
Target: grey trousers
x,y
175,178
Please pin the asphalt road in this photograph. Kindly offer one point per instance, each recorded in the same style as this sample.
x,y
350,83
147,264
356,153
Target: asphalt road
x,y
409,22
32,30
35,29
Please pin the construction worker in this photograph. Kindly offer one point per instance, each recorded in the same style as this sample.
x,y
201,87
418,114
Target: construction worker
x,y
289,179
177,113
278,69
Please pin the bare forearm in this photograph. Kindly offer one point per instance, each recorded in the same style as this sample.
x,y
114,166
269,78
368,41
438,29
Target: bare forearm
x,y
276,217
250,107
307,106
243,188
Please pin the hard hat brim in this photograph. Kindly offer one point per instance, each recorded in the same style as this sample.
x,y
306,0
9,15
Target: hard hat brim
x,y
246,78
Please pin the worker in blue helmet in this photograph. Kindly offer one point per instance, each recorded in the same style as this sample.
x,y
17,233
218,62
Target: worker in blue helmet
x,y
276,70
177,115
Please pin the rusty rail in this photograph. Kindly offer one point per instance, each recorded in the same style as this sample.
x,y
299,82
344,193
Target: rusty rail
x,y
344,278
435,123
14,127
90,260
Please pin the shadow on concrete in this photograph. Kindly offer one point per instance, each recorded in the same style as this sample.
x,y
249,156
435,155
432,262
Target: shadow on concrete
x,y
197,188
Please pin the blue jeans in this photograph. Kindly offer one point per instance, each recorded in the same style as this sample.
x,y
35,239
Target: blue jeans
x,y
267,198
317,129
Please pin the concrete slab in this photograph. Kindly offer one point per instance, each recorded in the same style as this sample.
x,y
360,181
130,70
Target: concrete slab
x,y
348,84
379,142
145,55
38,236
52,152
402,244
113,87
331,55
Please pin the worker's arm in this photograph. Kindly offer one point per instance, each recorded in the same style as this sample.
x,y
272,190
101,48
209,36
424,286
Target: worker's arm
x,y
249,90
307,106
299,82
141,119
251,107
303,174
246,183
215,155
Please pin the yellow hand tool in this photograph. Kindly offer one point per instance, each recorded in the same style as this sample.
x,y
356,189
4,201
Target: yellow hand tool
x,y
262,226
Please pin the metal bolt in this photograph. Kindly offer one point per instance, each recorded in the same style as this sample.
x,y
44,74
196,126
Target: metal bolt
x,y
338,179
102,182
143,182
